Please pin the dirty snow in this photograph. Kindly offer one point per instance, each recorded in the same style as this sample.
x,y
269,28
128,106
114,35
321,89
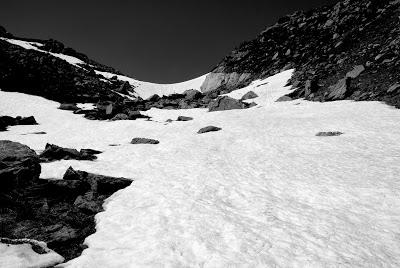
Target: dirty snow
x,y
262,192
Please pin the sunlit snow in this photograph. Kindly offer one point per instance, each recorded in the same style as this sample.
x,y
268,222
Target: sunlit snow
x,y
262,192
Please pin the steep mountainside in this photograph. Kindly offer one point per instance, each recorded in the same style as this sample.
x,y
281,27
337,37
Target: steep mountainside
x,y
349,50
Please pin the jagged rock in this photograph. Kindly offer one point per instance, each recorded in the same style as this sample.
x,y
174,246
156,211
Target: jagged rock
x,y
6,121
53,153
249,95
90,151
192,94
154,98
251,104
393,88
184,118
226,81
68,107
118,117
310,87
328,134
19,165
223,103
284,98
357,70
59,212
54,46
208,129
144,141
340,90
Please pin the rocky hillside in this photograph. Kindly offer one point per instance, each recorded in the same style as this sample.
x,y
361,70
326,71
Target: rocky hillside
x,y
49,69
350,50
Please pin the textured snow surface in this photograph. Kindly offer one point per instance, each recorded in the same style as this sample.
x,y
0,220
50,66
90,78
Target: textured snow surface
x,y
147,89
23,256
262,192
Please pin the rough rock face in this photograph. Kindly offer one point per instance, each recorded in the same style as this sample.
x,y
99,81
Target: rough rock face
x,y
323,45
223,103
19,165
58,212
215,81
53,153
249,95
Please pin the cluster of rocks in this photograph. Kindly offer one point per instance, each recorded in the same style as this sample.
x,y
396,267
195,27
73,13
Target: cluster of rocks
x,y
6,121
53,153
324,45
58,212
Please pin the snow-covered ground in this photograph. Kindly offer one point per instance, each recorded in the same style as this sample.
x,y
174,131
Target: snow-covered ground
x,y
23,256
262,192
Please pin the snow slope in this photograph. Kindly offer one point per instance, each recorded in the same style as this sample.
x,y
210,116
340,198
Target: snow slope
x,y
147,89
262,192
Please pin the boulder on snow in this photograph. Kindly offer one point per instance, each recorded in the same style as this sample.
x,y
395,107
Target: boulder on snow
x,y
223,103
184,118
19,165
208,129
284,98
120,116
68,107
329,134
53,153
192,94
144,141
249,95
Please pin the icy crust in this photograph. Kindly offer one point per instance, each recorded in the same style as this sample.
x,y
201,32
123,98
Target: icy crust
x,y
27,253
262,192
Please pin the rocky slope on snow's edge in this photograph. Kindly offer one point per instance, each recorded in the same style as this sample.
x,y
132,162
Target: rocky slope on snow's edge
x,y
324,45
58,212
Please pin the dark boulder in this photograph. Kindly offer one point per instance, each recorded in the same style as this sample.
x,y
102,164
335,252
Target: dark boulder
x,y
223,103
284,98
144,141
208,129
249,95
54,46
192,94
30,120
53,153
329,134
120,116
68,107
19,165
184,118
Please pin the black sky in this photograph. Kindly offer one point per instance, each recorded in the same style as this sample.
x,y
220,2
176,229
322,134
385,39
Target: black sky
x,y
152,40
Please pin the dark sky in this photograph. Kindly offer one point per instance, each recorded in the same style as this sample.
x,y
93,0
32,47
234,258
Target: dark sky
x,y
152,40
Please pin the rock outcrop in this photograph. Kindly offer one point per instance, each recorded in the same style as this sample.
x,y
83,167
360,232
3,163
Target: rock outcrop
x,y
223,103
6,121
58,212
53,153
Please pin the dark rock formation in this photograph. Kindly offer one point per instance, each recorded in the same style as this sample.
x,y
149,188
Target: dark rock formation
x,y
58,212
68,107
184,118
284,98
223,103
144,141
323,45
208,129
6,121
249,95
329,134
120,116
53,153
19,165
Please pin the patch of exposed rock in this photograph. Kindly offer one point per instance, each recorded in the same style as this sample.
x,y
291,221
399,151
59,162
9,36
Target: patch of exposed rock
x,y
144,141
6,121
54,153
58,212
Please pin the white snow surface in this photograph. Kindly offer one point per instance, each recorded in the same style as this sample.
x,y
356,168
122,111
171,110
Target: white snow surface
x,y
147,89
262,192
23,256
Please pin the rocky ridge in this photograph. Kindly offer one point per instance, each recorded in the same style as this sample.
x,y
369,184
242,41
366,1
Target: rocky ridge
x,y
323,45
